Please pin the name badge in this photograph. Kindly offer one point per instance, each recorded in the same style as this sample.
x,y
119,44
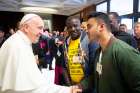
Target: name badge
x,y
99,68
77,59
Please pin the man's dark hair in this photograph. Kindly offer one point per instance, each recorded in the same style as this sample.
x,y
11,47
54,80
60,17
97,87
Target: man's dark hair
x,y
123,25
99,16
116,15
68,21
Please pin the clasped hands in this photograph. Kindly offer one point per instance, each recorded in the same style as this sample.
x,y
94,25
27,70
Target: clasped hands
x,y
75,89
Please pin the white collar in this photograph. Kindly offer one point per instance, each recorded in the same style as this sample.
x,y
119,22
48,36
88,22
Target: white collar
x,y
24,37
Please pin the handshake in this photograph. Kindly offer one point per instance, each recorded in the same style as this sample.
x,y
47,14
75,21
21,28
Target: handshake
x,y
75,89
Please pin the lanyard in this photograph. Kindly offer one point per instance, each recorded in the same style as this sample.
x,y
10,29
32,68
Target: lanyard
x,y
99,66
100,57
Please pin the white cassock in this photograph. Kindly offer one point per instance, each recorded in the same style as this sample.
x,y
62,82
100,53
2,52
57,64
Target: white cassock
x,y
18,69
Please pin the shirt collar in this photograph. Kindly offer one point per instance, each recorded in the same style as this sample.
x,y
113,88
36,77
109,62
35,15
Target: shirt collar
x,y
24,37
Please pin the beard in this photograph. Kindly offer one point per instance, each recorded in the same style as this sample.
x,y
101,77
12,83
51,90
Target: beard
x,y
93,37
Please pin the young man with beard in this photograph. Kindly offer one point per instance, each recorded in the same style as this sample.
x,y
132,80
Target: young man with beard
x,y
117,68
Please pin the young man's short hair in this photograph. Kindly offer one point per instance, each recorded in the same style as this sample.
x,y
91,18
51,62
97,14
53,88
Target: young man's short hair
x,y
116,15
99,16
68,21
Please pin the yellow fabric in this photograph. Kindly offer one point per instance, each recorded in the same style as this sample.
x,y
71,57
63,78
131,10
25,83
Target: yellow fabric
x,y
75,68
